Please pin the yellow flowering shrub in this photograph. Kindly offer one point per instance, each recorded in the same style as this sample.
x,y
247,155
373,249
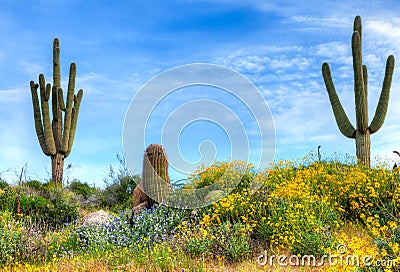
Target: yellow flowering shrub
x,y
301,207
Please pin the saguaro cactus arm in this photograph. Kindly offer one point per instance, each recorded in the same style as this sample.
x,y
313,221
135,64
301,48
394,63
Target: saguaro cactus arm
x,y
360,97
341,118
56,78
38,118
74,120
381,109
60,98
48,131
68,107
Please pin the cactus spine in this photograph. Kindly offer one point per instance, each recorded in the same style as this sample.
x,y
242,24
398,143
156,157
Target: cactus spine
x,y
55,139
156,183
362,131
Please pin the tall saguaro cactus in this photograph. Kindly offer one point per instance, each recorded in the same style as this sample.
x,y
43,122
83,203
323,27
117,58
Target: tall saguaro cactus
x,y
56,137
156,183
362,131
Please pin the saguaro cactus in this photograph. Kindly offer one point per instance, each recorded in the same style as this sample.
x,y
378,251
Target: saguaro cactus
x,y
362,131
56,137
156,183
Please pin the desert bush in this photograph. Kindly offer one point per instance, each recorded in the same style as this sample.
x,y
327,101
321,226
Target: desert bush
x,y
55,211
3,184
10,235
233,176
84,195
117,194
82,188
198,246
225,241
34,184
232,241
7,198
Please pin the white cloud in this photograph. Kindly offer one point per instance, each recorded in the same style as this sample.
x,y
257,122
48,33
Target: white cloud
x,y
388,29
320,24
14,95
334,51
33,69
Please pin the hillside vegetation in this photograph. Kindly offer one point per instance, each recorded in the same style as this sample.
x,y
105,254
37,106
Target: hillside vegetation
x,y
305,207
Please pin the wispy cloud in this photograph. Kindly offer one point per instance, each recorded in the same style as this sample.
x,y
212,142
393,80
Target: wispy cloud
x,y
320,24
385,30
14,95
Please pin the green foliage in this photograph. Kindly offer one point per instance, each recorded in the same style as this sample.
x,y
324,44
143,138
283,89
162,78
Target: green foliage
x,y
34,184
82,189
209,184
3,184
198,246
119,187
34,205
10,234
233,176
54,211
227,241
7,199
232,241
117,195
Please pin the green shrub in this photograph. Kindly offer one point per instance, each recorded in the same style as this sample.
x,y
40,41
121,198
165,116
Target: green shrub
x,y
7,199
230,177
34,184
82,189
119,187
33,205
54,213
198,246
10,235
3,184
232,241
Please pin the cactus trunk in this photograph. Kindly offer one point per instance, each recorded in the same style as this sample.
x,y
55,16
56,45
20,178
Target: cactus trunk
x,y
363,148
57,167
56,136
17,204
156,184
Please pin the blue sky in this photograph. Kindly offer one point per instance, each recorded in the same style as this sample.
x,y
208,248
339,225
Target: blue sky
x,y
120,45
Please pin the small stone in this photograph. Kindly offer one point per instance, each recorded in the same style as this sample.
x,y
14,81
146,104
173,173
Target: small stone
x,y
99,217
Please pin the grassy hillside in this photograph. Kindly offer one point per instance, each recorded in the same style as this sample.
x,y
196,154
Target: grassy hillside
x,y
308,215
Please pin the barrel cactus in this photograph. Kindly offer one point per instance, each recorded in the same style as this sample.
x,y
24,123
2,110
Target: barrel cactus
x,y
156,183
362,132
56,137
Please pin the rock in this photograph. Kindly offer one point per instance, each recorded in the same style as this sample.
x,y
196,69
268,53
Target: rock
x,y
138,195
98,217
